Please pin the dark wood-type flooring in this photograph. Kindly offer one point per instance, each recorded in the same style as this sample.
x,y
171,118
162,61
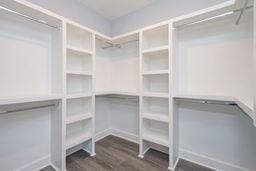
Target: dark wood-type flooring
x,y
116,154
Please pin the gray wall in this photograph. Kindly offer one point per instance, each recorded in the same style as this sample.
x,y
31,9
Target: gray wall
x,y
159,11
76,11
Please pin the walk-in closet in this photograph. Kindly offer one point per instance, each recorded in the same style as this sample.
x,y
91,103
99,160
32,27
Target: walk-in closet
x,y
146,85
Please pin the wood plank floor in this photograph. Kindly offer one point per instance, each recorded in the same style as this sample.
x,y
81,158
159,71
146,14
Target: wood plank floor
x,y
115,154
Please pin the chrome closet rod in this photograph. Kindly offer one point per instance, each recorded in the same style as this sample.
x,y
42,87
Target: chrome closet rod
x,y
25,109
116,45
29,18
207,102
214,17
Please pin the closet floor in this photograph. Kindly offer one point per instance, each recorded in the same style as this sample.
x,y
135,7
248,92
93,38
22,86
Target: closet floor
x,y
116,154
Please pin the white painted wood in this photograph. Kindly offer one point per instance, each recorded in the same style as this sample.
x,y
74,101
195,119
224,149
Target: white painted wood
x,y
156,117
79,84
156,132
254,62
78,118
118,64
156,83
197,67
160,95
81,40
78,61
80,48
155,38
156,61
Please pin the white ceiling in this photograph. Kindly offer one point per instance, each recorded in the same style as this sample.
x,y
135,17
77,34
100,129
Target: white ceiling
x,y
113,9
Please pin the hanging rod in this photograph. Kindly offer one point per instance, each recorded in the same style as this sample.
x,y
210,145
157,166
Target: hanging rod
x,y
30,18
208,102
25,109
117,45
214,17
242,12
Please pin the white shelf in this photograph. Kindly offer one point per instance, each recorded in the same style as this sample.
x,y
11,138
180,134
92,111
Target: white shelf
x,y
78,95
125,93
29,99
156,137
77,118
80,50
157,72
76,140
156,49
73,72
156,117
161,95
220,99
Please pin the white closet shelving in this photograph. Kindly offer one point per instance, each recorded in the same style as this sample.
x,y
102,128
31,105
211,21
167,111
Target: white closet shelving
x,y
79,88
160,64
155,88
31,88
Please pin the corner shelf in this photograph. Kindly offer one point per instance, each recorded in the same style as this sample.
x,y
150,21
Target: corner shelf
x,y
156,137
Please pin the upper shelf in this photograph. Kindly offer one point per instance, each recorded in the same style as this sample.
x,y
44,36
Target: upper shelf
x,y
104,93
28,9
213,11
19,100
12,105
219,100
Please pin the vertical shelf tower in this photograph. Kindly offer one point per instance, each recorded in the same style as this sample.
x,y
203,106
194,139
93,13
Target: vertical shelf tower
x,y
156,104
80,98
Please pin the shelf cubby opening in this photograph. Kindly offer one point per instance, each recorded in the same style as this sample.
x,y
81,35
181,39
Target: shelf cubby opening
x,y
156,83
79,108
156,61
78,133
79,62
77,84
156,132
156,37
79,38
155,107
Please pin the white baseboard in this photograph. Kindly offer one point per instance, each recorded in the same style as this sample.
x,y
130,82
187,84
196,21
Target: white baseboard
x,y
125,135
121,134
175,165
102,134
209,162
54,167
36,164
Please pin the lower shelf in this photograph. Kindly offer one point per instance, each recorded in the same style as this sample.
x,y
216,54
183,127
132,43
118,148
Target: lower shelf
x,y
156,117
156,137
77,139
